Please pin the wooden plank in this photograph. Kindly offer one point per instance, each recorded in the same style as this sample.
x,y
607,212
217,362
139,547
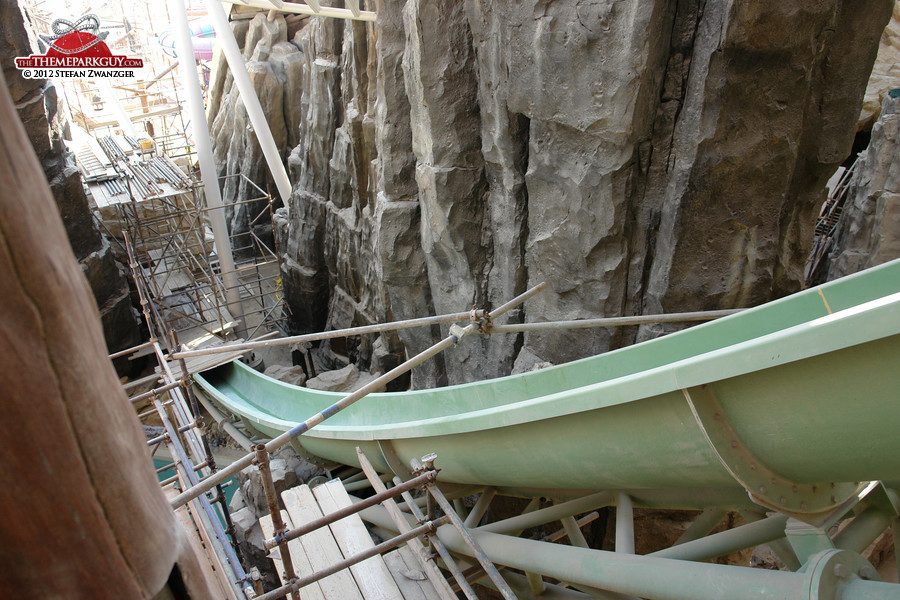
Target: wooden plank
x,y
404,575
216,560
302,568
182,515
371,575
320,547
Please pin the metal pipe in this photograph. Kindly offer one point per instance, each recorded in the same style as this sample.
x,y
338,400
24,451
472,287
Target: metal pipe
x,y
376,384
481,507
131,350
154,392
327,335
303,9
205,156
624,524
863,529
427,477
551,513
782,548
228,44
191,478
726,542
646,577
702,525
708,315
642,576
265,473
476,551
576,537
297,584
363,484
451,565
225,425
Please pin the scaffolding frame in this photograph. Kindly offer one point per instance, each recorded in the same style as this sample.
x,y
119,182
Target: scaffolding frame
x,y
179,266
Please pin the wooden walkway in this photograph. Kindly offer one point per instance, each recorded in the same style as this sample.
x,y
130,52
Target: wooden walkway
x,y
396,576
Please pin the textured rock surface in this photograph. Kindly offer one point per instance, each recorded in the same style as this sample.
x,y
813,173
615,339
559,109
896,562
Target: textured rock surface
x,y
348,379
868,232
292,375
885,72
274,65
639,157
36,103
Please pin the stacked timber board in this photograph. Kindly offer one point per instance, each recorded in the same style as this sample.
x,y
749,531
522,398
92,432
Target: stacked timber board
x,y
392,577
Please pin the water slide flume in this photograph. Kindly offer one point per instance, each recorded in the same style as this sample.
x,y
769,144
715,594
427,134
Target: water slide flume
x,y
793,402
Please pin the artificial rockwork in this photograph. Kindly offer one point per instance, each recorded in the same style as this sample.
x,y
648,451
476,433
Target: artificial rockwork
x,y
36,103
640,157
868,232
274,65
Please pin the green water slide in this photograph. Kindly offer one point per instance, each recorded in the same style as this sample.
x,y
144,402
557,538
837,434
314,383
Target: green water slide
x,y
790,407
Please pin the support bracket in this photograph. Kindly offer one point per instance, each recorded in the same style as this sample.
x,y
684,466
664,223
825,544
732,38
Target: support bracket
x,y
829,572
811,503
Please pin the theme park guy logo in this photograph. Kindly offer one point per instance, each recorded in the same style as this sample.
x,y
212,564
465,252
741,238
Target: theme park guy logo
x,y
77,50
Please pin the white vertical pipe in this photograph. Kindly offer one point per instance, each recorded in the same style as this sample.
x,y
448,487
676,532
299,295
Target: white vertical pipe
x,y
624,524
207,163
111,100
235,59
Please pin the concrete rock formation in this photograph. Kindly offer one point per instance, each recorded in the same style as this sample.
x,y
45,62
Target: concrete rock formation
x,y
885,73
274,65
36,103
868,232
640,157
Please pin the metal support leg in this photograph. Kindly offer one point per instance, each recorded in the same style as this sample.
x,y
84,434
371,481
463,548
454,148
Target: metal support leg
x,y
780,547
576,537
551,513
481,507
262,463
702,525
863,529
624,524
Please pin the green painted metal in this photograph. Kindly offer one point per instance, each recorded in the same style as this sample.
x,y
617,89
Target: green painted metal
x,y
809,395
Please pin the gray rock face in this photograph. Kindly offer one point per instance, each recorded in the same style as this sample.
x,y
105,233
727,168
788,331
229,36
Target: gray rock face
x,y
36,102
292,375
640,157
348,379
275,67
868,232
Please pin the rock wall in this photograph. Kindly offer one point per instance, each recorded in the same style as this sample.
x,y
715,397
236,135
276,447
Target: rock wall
x,y
868,232
36,103
640,157
273,64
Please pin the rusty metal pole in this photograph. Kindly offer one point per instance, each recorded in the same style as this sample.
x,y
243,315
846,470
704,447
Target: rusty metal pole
x,y
265,472
431,571
463,531
437,545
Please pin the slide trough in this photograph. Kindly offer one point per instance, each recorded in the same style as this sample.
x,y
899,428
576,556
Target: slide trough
x,y
793,403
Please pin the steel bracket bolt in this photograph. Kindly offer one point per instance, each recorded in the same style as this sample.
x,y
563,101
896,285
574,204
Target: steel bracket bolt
x,y
428,460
